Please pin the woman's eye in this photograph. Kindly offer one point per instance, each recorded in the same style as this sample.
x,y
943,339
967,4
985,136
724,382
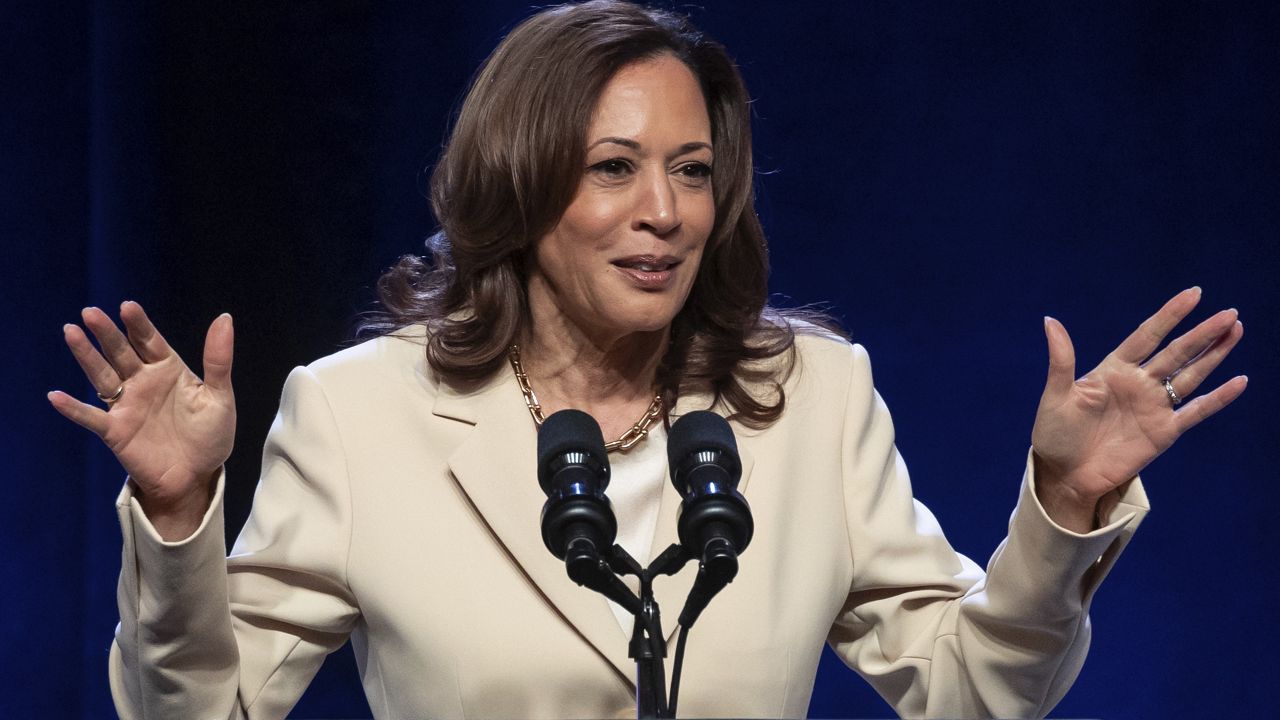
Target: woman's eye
x,y
695,171
615,168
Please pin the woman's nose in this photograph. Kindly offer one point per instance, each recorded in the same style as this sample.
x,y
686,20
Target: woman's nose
x,y
657,209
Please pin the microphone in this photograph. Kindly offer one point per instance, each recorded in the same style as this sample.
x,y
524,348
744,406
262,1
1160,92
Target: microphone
x,y
573,471
578,524
715,520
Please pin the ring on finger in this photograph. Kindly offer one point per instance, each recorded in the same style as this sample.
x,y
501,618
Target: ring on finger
x,y
1174,398
113,397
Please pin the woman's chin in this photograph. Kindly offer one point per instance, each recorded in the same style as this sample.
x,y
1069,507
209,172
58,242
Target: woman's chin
x,y
649,326
640,320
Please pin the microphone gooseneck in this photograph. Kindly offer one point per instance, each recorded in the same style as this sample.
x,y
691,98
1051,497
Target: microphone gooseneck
x,y
715,523
578,524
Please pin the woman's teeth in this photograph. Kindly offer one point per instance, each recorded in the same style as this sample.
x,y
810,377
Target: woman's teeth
x,y
647,267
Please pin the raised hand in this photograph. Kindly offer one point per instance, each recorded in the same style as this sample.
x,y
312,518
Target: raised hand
x,y
169,429
1094,433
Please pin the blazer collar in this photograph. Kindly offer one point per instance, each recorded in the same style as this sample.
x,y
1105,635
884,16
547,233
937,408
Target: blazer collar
x,y
495,467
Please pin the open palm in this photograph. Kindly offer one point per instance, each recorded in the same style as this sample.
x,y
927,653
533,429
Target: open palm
x,y
1094,433
170,430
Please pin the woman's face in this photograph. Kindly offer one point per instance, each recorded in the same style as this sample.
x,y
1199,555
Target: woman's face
x,y
624,255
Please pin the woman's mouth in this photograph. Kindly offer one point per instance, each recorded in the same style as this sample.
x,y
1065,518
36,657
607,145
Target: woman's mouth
x,y
648,272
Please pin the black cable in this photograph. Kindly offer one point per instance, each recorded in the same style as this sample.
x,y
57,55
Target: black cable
x,y
675,671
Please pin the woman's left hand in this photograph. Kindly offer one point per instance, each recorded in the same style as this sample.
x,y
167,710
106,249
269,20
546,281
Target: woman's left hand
x,y
1094,433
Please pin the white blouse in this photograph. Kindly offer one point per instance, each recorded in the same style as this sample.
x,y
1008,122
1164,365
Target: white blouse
x,y
635,490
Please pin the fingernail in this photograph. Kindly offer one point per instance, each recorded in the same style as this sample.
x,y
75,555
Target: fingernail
x,y
67,328
1196,289
51,394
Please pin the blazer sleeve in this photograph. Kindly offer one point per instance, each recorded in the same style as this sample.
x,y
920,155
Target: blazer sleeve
x,y
210,636
933,633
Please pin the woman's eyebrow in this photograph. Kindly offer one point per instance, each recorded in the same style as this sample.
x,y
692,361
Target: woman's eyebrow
x,y
691,146
625,142
632,144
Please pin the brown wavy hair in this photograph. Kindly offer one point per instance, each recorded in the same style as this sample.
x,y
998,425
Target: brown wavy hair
x,y
512,166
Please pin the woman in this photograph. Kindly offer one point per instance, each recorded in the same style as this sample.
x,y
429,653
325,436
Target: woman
x,y
599,242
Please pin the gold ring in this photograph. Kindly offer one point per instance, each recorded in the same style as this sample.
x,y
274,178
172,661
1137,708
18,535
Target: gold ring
x,y
112,398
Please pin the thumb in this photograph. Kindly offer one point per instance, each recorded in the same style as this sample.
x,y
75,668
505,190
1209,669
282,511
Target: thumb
x,y
1062,358
218,344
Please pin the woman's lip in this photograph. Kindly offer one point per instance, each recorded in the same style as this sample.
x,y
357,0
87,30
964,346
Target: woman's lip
x,y
652,260
648,279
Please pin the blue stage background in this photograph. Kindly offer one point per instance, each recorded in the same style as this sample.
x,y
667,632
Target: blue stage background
x,y
944,174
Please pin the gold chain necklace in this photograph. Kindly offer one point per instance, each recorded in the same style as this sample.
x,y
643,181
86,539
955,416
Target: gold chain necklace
x,y
626,441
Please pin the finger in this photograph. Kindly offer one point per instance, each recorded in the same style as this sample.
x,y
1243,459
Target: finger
x,y
1194,412
104,377
1062,358
86,416
114,344
1189,378
143,336
1144,341
218,346
1191,344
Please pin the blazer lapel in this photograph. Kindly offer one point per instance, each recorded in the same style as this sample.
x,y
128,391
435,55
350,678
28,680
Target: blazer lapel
x,y
495,466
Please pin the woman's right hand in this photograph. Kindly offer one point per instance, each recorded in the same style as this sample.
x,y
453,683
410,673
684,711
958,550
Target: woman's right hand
x,y
171,431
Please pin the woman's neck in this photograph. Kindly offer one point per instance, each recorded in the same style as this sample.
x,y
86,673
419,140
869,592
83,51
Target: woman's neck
x,y
608,375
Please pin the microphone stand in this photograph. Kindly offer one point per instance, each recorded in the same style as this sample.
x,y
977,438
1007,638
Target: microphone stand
x,y
601,572
648,644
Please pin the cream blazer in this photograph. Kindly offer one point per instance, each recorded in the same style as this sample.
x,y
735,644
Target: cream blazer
x,y
403,514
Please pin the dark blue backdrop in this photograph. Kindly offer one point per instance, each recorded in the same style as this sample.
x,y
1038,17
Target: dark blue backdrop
x,y
943,173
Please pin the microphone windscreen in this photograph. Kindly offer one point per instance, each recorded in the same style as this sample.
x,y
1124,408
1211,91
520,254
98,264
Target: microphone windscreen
x,y
569,431
699,431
